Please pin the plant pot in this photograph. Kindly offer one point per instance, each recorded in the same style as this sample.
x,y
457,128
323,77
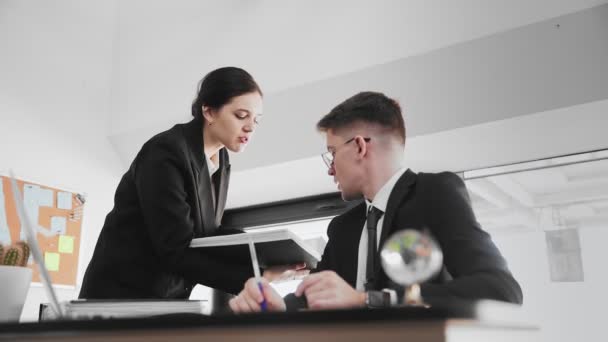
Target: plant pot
x,y
14,285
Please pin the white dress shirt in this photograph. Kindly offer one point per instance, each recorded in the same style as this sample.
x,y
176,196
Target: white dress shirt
x,y
380,202
212,167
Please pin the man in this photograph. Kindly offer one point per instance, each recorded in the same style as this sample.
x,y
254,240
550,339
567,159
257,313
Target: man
x,y
365,140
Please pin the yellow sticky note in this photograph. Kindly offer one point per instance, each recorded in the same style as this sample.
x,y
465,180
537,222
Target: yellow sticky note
x,y
52,261
66,244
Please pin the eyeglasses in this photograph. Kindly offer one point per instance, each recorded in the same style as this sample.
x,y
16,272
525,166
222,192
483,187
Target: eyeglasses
x,y
328,157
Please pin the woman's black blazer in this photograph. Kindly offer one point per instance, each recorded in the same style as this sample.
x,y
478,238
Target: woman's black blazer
x,y
162,202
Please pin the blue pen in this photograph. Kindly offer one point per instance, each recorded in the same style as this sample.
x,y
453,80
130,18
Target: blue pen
x,y
256,272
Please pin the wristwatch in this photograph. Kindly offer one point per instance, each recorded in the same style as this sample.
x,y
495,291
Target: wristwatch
x,y
380,299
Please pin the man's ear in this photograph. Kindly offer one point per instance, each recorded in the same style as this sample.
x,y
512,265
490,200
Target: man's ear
x,y
361,145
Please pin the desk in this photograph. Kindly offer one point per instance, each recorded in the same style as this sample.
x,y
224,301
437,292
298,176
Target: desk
x,y
412,324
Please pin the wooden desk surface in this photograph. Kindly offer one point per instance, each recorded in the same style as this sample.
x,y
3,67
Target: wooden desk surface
x,y
415,324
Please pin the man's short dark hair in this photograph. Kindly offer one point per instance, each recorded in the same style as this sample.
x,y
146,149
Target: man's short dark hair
x,y
368,107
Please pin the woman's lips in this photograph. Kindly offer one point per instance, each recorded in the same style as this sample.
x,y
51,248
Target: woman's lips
x,y
243,140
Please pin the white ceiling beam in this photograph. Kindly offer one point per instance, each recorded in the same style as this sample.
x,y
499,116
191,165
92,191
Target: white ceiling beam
x,y
599,222
509,217
513,189
597,175
581,194
489,192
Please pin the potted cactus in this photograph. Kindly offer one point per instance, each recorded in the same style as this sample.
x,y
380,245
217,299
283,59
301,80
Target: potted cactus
x,y
15,255
15,278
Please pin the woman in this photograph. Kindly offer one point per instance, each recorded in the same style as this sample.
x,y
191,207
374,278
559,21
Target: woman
x,y
174,191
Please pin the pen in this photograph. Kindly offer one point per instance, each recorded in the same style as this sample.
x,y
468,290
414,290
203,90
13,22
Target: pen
x,y
256,272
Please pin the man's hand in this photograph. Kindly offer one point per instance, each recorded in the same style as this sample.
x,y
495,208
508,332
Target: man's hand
x,y
326,290
285,272
250,298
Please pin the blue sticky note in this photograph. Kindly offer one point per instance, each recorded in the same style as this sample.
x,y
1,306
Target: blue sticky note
x,y
64,200
58,225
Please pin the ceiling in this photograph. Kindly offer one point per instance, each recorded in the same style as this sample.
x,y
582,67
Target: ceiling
x,y
129,68
308,56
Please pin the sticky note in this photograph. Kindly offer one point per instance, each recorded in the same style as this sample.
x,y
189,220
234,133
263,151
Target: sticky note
x,y
51,260
58,224
66,244
64,200
30,194
45,197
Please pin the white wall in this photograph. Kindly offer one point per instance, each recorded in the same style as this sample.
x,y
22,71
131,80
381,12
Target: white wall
x,y
60,156
565,311
55,63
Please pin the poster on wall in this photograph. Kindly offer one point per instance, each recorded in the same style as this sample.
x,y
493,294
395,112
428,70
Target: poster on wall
x,y
57,216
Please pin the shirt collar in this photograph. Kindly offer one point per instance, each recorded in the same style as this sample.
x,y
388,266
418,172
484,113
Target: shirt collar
x,y
381,199
210,165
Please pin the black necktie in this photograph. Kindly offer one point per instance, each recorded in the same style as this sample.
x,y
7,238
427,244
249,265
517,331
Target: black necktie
x,y
373,216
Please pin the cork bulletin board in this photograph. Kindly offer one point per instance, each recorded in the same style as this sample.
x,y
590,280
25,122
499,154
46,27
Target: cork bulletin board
x,y
58,214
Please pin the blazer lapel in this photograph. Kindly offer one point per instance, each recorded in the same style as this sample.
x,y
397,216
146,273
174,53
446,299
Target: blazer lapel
x,y
350,243
222,182
206,200
401,189
194,137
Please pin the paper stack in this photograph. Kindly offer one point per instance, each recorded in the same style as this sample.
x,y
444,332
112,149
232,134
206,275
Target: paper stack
x,y
90,309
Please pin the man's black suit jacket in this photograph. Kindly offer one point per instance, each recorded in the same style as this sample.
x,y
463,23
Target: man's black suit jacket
x,y
473,266
163,201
